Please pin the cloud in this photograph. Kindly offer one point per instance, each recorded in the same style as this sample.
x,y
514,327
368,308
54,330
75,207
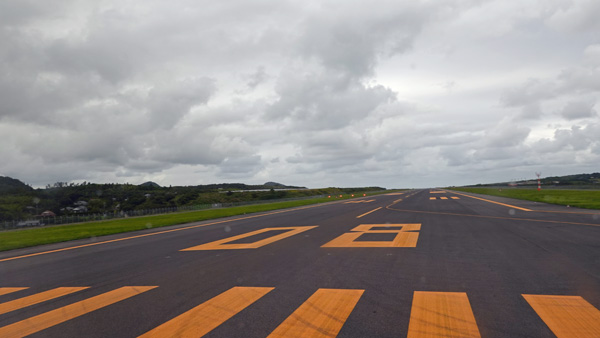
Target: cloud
x,y
324,99
578,109
169,102
256,78
576,16
315,93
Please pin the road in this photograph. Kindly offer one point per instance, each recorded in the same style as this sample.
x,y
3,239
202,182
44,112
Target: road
x,y
426,263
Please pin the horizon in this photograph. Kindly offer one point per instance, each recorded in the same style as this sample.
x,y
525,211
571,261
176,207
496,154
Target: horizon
x,y
300,185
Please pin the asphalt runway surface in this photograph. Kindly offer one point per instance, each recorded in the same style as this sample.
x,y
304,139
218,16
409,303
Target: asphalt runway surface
x,y
426,263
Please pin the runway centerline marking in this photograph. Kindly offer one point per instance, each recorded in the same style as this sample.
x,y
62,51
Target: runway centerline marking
x,y
366,213
567,316
222,244
322,315
205,317
494,202
406,236
442,314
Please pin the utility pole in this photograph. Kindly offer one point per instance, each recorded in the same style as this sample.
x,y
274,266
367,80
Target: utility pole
x,y
539,183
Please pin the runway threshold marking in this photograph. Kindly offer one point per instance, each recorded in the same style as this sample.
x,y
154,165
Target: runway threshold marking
x,y
321,315
494,202
6,290
222,243
432,198
37,298
207,316
567,316
158,233
48,319
366,213
406,236
442,314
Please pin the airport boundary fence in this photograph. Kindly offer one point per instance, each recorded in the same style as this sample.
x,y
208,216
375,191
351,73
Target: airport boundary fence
x,y
41,221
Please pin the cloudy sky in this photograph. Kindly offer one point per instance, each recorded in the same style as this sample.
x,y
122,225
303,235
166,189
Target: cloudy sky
x,y
311,93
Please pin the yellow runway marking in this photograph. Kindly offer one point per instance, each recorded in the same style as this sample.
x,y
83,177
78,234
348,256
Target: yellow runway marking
x,y
437,192
567,316
207,316
6,291
398,200
483,199
37,298
432,198
444,198
403,239
222,244
455,198
442,314
360,201
322,315
65,313
161,232
395,194
366,213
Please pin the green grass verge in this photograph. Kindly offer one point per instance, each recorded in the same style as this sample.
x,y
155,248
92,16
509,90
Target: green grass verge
x,y
37,236
588,199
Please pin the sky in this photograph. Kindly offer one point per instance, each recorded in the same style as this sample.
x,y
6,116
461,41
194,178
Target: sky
x,y
397,94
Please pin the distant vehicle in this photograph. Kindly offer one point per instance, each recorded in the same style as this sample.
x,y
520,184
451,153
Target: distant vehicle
x,y
30,223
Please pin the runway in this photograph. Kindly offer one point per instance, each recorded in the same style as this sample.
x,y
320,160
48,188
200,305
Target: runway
x,y
423,263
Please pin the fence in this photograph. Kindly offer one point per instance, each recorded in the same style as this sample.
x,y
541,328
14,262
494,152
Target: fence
x,y
78,218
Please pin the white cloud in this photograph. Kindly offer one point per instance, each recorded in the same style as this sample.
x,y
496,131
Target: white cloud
x,y
308,93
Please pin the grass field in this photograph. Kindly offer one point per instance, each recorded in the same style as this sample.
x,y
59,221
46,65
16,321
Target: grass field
x,y
37,236
588,199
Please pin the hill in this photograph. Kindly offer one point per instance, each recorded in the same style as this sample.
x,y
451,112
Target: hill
x,y
276,185
150,184
10,185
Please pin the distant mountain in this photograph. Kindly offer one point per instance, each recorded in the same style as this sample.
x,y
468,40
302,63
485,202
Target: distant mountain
x,y
276,185
10,185
150,184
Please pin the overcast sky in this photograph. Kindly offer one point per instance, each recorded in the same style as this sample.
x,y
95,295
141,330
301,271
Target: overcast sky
x,y
312,93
